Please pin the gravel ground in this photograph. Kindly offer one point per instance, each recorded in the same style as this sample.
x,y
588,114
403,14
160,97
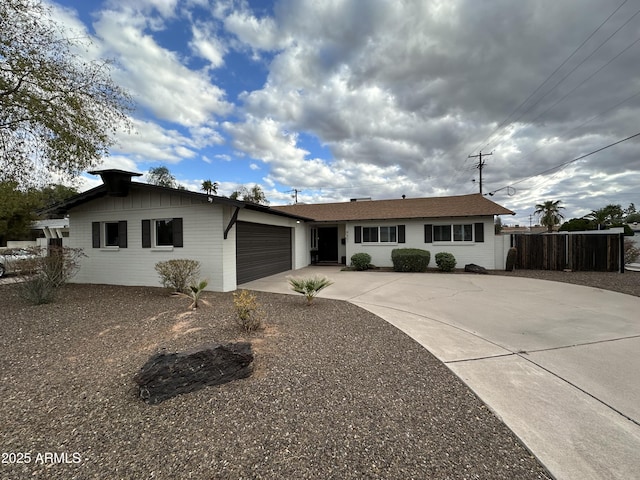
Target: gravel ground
x,y
628,282
337,393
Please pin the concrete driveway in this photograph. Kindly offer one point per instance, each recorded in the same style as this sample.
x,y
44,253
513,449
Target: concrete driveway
x,y
558,363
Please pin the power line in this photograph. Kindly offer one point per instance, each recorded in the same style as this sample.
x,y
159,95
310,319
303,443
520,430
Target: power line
x,y
480,165
586,80
503,123
295,192
566,132
562,165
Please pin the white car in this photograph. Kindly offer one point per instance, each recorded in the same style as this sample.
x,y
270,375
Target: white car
x,y
14,260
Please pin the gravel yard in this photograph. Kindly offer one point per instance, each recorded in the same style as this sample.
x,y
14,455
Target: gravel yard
x,y
337,393
628,282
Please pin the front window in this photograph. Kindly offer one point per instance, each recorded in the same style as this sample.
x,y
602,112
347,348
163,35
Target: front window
x,y
463,233
442,233
164,232
370,234
379,234
388,234
455,233
111,234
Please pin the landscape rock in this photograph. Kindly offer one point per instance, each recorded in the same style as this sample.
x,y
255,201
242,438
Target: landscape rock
x,y
166,375
473,268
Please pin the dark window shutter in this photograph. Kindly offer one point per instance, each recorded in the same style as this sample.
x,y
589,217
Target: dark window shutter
x,y
401,238
122,234
428,233
177,232
146,233
357,234
479,232
95,234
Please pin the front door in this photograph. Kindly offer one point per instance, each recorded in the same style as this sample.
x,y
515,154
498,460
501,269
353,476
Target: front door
x,y
328,244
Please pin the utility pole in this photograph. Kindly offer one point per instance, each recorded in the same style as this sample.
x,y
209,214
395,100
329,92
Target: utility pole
x,y
295,195
480,165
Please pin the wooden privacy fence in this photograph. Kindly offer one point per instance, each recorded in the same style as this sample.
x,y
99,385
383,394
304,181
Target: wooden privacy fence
x,y
599,252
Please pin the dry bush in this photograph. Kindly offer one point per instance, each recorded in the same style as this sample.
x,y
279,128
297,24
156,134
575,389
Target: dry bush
x,y
178,274
248,312
631,252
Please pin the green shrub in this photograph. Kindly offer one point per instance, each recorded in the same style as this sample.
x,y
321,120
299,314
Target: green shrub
x,y
37,290
446,261
511,259
361,261
410,259
309,287
46,271
178,274
247,311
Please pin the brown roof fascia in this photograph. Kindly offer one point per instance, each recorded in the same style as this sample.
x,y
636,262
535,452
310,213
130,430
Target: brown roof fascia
x,y
433,207
102,191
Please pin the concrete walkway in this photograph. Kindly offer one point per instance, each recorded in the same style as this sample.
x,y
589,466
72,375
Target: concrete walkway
x,y
558,363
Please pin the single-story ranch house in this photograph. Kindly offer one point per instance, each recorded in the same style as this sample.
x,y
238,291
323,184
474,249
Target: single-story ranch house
x,y
124,228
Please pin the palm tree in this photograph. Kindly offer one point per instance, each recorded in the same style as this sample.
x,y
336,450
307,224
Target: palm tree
x,y
549,213
598,217
209,187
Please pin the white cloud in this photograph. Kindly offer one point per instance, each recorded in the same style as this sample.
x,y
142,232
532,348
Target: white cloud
x,y
407,90
163,8
156,76
258,33
207,45
398,93
149,142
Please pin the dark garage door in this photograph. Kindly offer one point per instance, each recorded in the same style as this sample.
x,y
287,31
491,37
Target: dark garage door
x,y
261,250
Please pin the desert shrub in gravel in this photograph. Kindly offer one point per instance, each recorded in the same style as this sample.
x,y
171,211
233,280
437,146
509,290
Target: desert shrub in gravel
x,y
410,259
37,290
247,310
61,264
361,261
44,273
194,292
178,274
309,287
446,261
631,252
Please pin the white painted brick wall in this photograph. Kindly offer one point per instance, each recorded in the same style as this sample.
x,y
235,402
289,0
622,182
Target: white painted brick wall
x,y
203,235
479,253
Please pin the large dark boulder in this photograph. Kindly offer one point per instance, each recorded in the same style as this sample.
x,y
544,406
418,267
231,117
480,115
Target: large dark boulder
x,y
166,375
473,268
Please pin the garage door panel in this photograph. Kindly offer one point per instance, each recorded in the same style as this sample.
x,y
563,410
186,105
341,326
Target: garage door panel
x,y
261,250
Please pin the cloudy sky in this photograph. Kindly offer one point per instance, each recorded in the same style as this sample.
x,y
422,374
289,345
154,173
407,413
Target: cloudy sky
x,y
379,98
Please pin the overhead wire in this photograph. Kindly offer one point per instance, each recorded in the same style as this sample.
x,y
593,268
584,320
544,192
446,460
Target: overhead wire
x,y
566,132
564,164
586,79
504,122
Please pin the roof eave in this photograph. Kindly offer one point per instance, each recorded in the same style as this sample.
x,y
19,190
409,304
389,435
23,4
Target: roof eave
x,y
62,208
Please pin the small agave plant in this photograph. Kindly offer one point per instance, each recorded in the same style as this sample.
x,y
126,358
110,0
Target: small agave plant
x,y
194,292
309,287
